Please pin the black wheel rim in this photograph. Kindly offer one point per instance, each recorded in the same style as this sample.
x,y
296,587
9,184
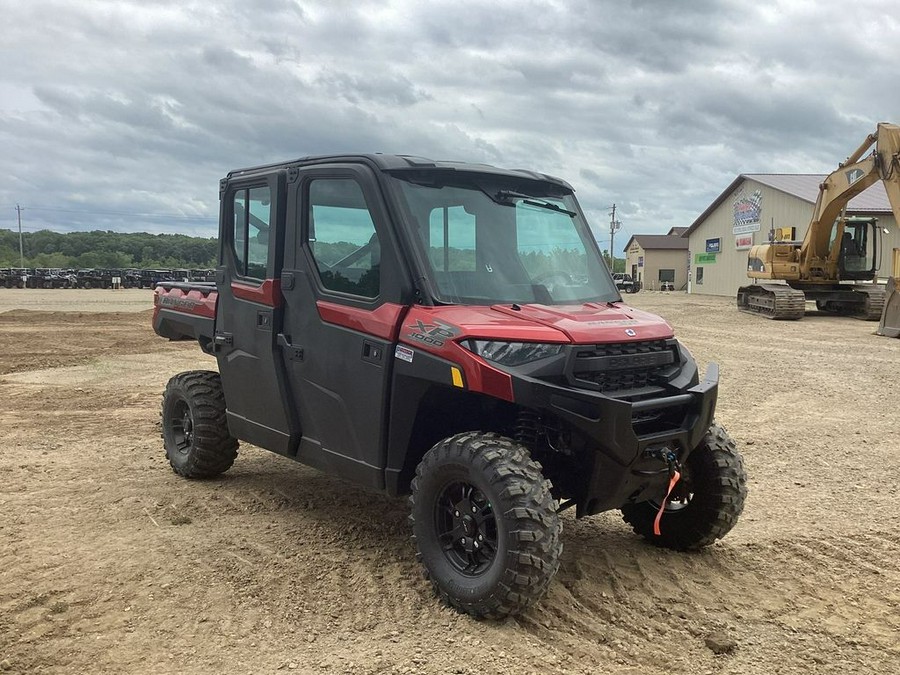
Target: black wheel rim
x,y
182,427
681,496
466,528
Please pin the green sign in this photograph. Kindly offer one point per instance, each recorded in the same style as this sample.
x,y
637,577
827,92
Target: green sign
x,y
704,258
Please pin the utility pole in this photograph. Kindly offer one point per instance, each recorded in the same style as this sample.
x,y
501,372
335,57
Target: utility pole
x,y
613,226
21,249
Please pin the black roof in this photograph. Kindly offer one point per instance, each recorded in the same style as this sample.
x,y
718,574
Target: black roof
x,y
659,241
399,163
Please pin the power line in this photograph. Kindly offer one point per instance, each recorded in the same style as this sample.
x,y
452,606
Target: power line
x,y
21,249
613,226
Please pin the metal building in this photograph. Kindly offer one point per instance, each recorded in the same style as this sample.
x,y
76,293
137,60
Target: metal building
x,y
655,259
758,207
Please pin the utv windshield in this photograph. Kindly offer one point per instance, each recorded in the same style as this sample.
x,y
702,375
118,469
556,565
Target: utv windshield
x,y
504,244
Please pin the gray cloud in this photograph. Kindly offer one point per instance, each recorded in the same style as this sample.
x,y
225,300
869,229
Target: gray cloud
x,y
140,107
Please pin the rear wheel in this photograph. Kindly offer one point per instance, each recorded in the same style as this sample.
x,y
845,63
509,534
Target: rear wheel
x,y
195,432
485,525
704,505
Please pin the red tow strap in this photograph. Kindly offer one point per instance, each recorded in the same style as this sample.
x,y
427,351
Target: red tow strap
x,y
662,507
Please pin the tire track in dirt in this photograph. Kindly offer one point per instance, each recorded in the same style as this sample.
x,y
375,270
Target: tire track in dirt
x,y
110,563
642,605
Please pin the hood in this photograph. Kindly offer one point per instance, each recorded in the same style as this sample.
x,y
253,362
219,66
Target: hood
x,y
580,324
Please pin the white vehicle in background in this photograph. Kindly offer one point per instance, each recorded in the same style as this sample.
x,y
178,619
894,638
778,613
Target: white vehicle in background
x,y
625,283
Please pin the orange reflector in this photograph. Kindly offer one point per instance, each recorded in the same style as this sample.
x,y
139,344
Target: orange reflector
x,y
456,374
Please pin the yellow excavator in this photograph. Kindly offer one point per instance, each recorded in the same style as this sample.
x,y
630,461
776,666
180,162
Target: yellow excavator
x,y
890,316
836,249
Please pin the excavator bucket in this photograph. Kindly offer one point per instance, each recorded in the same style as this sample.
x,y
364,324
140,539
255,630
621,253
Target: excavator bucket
x,y
890,315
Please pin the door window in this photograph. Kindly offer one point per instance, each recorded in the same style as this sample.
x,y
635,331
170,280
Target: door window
x,y
250,243
342,237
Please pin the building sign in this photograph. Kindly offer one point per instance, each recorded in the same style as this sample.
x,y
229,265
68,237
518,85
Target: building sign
x,y
704,258
640,261
784,234
747,211
713,245
743,241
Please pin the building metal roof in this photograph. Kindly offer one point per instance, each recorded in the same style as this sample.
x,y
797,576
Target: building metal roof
x,y
803,186
658,242
806,187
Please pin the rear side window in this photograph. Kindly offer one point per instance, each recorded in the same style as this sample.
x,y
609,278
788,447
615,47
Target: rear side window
x,y
252,220
342,237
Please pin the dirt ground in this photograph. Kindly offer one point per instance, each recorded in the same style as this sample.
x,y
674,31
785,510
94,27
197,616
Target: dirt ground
x,y
110,563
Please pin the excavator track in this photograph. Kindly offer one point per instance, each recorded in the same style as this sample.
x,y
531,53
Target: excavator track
x,y
861,301
871,307
772,301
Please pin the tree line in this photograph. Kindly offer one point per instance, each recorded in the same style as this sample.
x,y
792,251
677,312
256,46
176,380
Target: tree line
x,y
107,249
141,250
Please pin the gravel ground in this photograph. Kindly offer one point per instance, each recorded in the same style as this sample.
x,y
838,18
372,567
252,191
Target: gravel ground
x,y
110,563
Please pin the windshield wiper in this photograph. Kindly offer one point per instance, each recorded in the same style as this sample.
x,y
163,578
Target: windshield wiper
x,y
506,197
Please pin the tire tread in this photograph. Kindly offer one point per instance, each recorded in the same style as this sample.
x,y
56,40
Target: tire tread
x,y
214,449
719,462
529,511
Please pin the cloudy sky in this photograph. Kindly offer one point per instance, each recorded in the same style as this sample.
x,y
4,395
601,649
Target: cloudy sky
x,y
123,115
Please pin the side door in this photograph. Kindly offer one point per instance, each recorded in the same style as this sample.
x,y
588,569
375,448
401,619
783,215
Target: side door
x,y
345,294
250,312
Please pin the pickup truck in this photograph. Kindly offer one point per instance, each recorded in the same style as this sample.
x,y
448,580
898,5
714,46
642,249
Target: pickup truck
x,y
450,332
625,283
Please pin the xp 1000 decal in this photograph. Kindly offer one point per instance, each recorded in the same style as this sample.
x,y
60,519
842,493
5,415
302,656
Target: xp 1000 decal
x,y
434,334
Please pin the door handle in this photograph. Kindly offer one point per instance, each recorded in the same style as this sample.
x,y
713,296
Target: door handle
x,y
373,353
294,353
221,340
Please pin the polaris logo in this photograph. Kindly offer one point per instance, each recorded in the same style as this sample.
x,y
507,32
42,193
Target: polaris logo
x,y
630,332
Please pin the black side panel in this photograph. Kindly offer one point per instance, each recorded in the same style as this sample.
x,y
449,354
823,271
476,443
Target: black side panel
x,y
248,319
337,343
426,407
342,389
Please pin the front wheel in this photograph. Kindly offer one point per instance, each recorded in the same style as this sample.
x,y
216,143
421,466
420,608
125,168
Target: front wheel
x,y
484,524
194,430
704,505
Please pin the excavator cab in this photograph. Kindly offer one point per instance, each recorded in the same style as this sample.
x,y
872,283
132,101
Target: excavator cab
x,y
858,251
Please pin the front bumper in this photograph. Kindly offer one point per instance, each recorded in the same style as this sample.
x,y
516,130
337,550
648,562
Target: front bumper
x,y
622,435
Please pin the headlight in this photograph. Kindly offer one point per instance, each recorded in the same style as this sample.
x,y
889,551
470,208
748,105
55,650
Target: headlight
x,y
512,353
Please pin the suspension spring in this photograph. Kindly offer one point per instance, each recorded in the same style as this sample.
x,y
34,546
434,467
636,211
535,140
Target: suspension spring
x,y
528,429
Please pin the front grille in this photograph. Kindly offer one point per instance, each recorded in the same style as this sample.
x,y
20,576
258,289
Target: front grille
x,y
623,365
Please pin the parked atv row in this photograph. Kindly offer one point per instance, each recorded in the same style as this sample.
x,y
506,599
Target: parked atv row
x,y
18,277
